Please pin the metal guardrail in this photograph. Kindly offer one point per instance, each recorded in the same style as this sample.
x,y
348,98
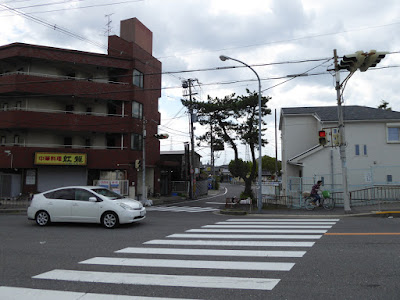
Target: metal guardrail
x,y
385,197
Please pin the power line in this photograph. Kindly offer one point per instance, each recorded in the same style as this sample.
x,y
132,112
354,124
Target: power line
x,y
73,8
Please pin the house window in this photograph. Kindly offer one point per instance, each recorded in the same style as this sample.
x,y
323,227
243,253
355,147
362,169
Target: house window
x,y
389,178
357,150
137,78
361,150
137,110
136,141
393,134
68,142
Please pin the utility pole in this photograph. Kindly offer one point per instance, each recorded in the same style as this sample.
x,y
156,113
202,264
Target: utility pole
x,y
346,198
144,194
188,84
276,150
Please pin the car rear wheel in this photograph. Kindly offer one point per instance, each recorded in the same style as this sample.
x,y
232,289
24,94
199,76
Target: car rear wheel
x,y
109,220
42,218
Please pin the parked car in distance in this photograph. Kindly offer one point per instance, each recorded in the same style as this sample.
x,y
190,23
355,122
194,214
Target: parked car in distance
x,y
86,204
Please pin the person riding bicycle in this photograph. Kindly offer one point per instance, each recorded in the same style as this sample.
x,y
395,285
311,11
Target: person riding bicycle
x,y
314,192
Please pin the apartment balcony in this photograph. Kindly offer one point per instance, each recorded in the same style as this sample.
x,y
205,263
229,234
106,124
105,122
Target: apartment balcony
x,y
46,84
67,121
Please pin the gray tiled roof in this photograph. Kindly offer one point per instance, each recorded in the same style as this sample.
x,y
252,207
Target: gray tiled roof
x,y
350,113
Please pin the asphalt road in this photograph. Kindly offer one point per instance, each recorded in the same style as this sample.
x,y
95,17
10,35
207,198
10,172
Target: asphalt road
x,y
356,258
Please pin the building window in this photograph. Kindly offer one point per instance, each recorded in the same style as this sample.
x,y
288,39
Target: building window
x,y
137,78
358,150
5,106
3,140
88,110
111,144
136,141
137,110
16,140
389,178
88,143
18,105
69,108
393,134
68,142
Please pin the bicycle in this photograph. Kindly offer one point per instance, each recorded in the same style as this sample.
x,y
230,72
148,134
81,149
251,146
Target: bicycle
x,y
326,201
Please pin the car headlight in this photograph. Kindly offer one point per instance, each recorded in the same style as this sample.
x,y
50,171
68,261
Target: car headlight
x,y
124,206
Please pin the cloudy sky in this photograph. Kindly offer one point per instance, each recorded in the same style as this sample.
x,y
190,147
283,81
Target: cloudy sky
x,y
277,37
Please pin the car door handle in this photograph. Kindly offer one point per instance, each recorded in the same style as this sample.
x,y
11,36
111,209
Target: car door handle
x,y
75,204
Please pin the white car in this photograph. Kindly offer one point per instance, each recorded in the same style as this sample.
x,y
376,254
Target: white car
x,y
86,204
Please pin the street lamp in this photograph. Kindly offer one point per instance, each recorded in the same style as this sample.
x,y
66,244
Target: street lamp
x,y
259,192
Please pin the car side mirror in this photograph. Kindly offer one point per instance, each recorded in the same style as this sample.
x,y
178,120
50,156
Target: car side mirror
x,y
93,199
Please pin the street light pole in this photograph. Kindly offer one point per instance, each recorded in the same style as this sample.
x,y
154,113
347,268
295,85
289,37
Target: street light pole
x,y
259,191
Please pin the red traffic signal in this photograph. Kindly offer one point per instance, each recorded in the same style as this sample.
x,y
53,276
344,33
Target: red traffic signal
x,y
161,136
322,137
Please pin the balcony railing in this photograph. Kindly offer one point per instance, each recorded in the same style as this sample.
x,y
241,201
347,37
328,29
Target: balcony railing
x,y
44,110
58,146
98,80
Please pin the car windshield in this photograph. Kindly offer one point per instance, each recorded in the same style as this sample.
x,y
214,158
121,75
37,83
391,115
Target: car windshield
x,y
107,193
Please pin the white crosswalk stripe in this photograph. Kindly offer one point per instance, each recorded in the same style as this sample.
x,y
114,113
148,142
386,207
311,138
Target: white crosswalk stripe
x,y
211,252
231,242
189,209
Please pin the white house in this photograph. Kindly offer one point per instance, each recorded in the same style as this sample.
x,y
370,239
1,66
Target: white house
x,y
372,139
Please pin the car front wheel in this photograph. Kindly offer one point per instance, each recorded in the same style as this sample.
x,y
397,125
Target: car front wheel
x,y
42,218
109,220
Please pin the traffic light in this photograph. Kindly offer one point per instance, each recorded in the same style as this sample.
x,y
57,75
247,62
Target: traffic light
x,y
351,62
322,137
372,59
138,164
161,136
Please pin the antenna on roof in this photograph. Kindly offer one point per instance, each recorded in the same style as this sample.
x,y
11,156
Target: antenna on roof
x,y
107,32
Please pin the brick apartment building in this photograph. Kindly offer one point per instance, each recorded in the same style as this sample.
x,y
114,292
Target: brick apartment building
x,y
71,117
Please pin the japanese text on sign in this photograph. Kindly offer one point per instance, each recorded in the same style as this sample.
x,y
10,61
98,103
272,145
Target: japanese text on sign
x,y
62,159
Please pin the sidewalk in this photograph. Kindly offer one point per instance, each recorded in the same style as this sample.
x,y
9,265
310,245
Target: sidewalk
x,y
243,209
279,211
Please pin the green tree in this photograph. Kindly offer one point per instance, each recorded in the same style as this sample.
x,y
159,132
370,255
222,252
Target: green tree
x,y
384,105
268,163
234,119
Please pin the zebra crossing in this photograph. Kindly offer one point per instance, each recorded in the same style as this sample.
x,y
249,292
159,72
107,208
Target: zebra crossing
x,y
222,247
189,209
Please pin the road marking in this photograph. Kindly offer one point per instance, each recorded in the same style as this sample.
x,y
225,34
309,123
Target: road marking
x,y
266,220
266,226
364,233
230,243
257,230
190,264
18,293
245,236
276,223
193,209
162,280
211,252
